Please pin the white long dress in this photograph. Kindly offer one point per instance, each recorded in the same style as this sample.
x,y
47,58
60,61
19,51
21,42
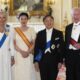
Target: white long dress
x,y
24,68
5,57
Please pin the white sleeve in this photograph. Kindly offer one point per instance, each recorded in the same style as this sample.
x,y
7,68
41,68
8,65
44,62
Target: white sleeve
x,y
12,35
33,34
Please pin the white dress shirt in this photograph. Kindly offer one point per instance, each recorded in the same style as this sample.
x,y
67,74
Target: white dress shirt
x,y
49,34
75,34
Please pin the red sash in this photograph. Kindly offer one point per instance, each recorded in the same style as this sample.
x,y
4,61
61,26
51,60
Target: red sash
x,y
74,43
22,35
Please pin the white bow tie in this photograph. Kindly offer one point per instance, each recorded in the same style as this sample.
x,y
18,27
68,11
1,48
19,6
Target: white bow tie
x,y
76,24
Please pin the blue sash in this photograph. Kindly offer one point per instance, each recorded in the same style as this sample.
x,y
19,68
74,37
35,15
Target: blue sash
x,y
39,55
3,40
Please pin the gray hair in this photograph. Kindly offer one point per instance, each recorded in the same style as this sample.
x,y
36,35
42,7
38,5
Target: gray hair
x,y
75,9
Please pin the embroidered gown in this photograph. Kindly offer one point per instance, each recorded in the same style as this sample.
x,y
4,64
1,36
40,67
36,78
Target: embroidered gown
x,y
24,68
6,51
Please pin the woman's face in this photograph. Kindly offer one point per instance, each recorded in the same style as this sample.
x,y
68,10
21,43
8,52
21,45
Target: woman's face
x,y
2,19
23,20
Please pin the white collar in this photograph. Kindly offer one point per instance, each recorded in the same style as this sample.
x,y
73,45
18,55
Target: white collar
x,y
49,30
76,24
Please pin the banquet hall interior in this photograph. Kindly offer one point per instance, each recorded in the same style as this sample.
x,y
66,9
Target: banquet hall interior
x,y
61,10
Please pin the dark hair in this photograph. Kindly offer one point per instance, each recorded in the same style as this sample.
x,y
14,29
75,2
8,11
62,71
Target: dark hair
x,y
23,14
47,16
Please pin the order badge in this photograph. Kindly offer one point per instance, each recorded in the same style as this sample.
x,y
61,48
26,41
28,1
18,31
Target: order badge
x,y
53,46
6,33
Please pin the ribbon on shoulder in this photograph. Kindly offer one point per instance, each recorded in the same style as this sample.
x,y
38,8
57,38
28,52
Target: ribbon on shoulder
x,y
3,39
24,38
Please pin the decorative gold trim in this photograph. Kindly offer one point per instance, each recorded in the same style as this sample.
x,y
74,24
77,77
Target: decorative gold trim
x,y
11,12
74,3
32,13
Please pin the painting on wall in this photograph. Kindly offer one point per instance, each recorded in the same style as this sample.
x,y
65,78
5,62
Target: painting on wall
x,y
75,3
78,3
33,7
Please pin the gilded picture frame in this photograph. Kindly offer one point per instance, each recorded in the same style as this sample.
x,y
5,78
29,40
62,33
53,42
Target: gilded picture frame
x,y
75,3
33,7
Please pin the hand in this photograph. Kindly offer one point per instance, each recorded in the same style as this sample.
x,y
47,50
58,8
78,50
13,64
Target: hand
x,y
24,53
36,66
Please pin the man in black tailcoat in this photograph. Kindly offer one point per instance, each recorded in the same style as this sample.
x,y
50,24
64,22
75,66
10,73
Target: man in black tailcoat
x,y
48,51
72,44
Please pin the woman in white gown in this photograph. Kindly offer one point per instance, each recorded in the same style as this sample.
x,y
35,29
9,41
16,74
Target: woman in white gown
x,y
6,48
24,68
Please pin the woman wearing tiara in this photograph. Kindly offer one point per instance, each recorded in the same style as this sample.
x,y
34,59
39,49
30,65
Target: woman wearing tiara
x,y
24,44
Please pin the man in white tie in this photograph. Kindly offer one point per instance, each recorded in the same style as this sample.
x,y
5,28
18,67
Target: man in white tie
x,y
48,51
72,46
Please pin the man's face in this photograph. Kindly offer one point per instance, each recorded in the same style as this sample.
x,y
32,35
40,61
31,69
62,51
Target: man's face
x,y
2,19
49,22
76,16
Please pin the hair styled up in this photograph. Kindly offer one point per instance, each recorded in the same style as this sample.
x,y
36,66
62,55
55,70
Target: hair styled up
x,y
75,9
47,16
23,14
3,12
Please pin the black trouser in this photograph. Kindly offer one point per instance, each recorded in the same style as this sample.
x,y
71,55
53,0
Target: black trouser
x,y
73,64
48,67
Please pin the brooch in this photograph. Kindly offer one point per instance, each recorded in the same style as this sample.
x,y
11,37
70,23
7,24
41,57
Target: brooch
x,y
7,33
53,46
